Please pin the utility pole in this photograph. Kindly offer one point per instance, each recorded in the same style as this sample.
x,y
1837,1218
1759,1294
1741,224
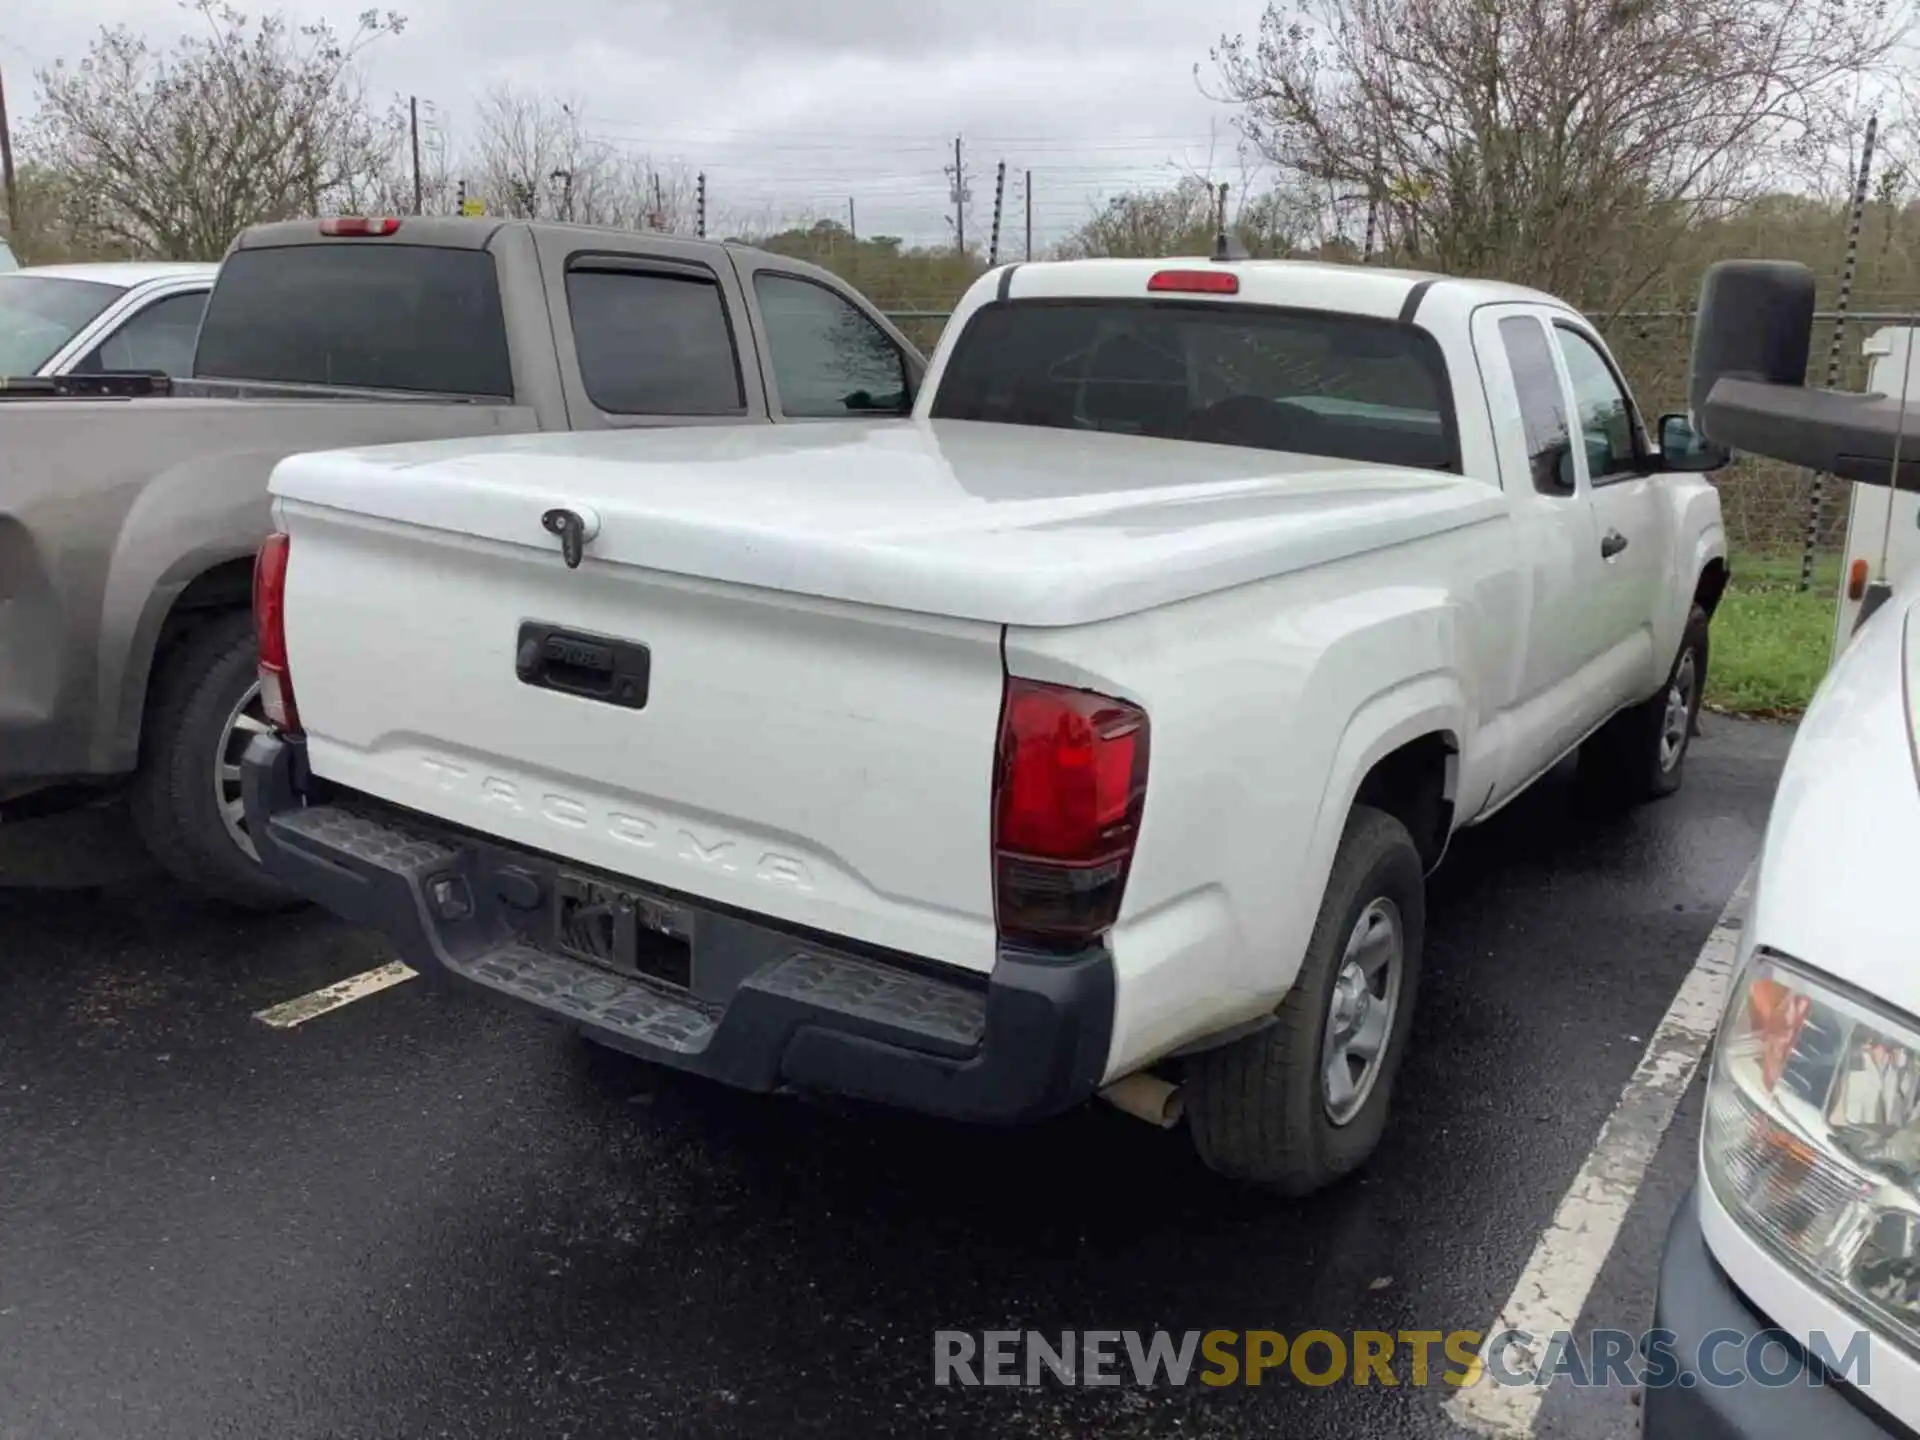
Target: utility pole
x,y
959,194
853,225
700,207
999,196
1029,215
6,163
413,120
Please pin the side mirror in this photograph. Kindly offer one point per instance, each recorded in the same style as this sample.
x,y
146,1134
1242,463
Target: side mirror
x,y
1599,460
1563,472
1686,449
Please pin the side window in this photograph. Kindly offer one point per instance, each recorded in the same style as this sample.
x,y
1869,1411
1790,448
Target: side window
x,y
1543,411
159,337
1606,417
828,358
653,342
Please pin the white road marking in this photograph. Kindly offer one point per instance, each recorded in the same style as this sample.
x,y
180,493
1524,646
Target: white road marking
x,y
1553,1288
290,1013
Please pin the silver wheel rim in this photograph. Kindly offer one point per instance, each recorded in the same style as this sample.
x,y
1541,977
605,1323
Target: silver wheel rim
x,y
1677,722
1361,1012
247,719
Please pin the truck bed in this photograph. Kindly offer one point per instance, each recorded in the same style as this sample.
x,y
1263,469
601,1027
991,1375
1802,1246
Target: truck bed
x,y
86,474
781,650
958,519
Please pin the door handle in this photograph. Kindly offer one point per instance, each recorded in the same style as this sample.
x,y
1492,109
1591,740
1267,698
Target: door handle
x,y
1611,544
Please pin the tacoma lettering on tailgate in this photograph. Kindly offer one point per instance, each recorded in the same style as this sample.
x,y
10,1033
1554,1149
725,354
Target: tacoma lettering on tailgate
x,y
706,849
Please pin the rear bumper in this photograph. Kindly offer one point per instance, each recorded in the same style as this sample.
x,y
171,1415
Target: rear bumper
x,y
768,1008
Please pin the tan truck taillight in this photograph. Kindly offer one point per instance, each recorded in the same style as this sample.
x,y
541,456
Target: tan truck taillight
x,y
270,631
1070,781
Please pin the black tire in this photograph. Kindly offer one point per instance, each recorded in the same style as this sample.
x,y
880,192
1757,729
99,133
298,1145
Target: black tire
x,y
1629,756
196,686
1259,1107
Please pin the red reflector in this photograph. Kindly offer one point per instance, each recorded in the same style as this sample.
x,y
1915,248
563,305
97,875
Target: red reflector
x,y
359,225
1196,282
270,632
1071,781
1857,580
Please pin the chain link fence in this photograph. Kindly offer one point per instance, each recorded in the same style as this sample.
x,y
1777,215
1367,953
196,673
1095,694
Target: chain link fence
x,y
1767,504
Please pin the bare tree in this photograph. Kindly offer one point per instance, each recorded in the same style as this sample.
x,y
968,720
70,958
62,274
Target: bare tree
x,y
385,187
533,156
1560,142
173,152
1184,219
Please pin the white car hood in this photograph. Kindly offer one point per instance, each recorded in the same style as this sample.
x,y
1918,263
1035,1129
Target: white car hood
x,y
1007,524
1839,869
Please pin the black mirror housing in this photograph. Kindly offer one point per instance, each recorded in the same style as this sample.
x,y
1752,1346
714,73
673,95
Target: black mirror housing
x,y
1748,387
1685,449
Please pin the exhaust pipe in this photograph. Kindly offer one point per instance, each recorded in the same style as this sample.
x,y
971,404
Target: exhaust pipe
x,y
1147,1097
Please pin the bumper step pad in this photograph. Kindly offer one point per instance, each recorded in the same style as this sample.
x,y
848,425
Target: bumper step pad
x,y
951,1016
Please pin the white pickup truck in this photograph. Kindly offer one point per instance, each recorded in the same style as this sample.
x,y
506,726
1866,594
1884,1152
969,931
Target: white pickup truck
x,y
1090,731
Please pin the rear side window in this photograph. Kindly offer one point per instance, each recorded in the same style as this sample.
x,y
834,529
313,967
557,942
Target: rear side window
x,y
159,338
365,315
828,358
654,342
1543,409
1343,386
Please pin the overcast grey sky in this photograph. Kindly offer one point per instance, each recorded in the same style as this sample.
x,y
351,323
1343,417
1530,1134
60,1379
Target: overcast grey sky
x,y
792,108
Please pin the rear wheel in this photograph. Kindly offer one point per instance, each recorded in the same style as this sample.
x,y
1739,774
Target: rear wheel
x,y
1303,1102
1641,753
203,709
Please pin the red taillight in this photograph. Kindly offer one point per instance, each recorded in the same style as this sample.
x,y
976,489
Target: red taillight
x,y
270,632
359,225
1070,780
1196,282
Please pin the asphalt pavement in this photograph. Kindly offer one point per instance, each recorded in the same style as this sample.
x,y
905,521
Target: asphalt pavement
x,y
427,1214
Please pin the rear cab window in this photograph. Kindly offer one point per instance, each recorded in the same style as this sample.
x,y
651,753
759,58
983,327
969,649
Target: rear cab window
x,y
359,315
1343,386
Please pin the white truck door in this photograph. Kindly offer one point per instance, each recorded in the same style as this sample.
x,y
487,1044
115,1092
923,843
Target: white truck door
x,y
1551,700
1636,530
1883,525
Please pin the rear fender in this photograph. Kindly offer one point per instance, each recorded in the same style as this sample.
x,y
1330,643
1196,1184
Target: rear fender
x,y
1433,703
198,515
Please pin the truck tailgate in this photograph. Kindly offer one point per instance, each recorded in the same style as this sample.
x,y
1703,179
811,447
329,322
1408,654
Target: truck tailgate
x,y
820,762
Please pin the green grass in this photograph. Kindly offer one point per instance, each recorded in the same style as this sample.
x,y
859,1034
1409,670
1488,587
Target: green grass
x,y
1771,642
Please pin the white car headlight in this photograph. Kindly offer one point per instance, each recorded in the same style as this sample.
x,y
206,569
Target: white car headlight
x,y
1812,1136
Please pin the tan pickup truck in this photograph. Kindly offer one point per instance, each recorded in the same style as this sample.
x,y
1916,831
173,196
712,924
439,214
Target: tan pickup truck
x,y
128,526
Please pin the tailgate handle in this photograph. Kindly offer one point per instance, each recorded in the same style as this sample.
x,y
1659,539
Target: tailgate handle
x,y
590,667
